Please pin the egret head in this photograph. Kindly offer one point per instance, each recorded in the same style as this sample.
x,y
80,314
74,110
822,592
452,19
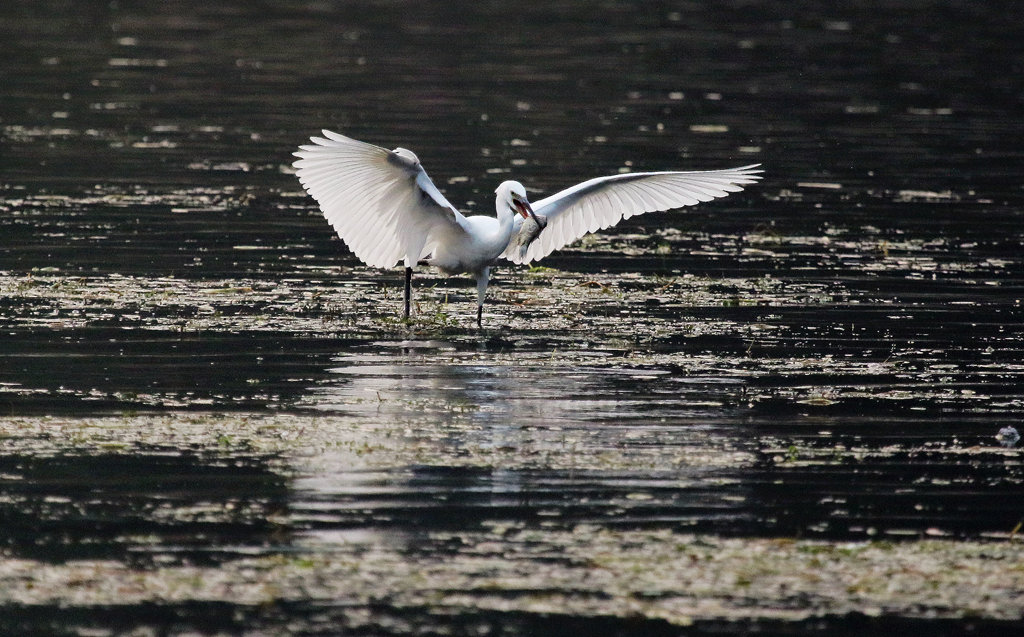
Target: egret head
x,y
513,195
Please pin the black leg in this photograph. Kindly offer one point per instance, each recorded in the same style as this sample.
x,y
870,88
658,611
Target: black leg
x,y
408,290
482,278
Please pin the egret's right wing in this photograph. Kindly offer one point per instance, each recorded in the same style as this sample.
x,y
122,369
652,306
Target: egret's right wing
x,y
380,202
603,202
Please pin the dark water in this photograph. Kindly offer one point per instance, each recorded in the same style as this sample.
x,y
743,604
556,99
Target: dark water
x,y
194,371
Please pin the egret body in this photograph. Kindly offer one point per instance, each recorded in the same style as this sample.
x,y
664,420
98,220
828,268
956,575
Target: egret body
x,y
387,210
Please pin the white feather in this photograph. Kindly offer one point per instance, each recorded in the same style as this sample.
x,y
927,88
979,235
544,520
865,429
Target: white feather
x,y
600,203
380,202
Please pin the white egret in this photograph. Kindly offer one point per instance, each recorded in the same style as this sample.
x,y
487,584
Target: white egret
x,y
386,209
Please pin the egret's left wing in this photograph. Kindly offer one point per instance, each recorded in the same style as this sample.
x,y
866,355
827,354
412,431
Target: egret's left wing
x,y
381,202
603,202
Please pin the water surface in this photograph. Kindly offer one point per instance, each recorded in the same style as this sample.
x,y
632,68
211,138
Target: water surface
x,y
775,412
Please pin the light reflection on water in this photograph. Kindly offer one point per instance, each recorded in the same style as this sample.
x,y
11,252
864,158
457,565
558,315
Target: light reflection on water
x,y
517,391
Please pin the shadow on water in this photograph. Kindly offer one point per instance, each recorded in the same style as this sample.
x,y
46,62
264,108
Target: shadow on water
x,y
161,507
104,370
381,620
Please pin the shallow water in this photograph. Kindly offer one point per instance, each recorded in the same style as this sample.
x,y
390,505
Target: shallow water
x,y
214,420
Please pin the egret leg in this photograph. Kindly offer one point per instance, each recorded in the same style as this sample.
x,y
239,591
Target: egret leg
x,y
482,279
408,290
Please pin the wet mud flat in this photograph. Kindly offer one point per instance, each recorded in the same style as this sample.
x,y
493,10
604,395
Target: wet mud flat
x,y
642,450
714,426
315,524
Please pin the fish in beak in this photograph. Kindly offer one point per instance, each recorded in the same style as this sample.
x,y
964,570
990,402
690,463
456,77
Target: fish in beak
x,y
524,209
530,229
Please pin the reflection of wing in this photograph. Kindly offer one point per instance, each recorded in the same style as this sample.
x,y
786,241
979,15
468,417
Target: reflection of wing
x,y
603,202
380,202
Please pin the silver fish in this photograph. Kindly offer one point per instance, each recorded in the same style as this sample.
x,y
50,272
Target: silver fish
x,y
528,233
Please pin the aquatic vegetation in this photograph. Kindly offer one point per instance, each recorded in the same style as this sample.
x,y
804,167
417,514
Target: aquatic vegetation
x,y
787,414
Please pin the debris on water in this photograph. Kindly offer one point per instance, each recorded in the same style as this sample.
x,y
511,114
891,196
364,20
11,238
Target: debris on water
x,y
584,571
820,185
1008,436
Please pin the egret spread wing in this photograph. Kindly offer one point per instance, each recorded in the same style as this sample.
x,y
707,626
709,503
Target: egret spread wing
x,y
380,202
603,202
